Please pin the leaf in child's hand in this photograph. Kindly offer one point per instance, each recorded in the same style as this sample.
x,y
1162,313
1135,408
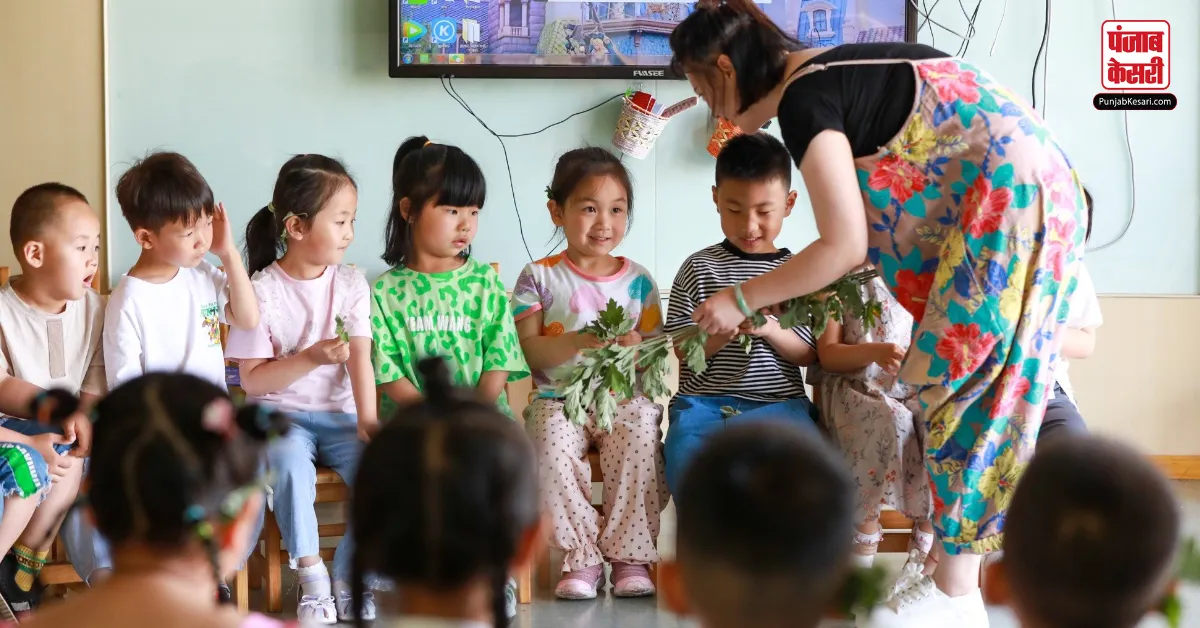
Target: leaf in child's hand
x,y
654,380
758,320
606,410
573,405
626,327
747,343
340,329
693,350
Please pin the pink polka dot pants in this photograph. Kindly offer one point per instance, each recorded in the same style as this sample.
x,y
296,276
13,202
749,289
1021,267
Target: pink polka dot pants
x,y
635,491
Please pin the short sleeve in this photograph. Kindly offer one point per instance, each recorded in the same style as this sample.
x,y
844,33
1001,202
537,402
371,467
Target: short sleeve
x,y
682,301
650,323
501,345
806,335
810,105
122,340
253,344
387,353
527,296
1084,305
358,304
221,284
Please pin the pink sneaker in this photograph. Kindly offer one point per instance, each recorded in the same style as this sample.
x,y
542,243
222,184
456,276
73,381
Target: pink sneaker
x,y
631,580
581,584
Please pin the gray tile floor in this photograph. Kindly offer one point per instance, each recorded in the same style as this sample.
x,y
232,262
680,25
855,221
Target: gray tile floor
x,y
605,612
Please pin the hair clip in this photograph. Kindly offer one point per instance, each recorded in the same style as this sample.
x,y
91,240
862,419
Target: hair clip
x,y
549,193
217,417
194,514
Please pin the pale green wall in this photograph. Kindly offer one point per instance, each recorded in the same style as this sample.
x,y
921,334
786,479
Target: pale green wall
x,y
239,86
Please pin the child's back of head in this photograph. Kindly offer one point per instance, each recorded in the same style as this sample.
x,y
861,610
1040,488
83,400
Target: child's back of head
x,y
762,541
445,497
1091,537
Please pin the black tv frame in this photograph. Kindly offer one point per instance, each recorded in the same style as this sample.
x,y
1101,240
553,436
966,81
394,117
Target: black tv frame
x,y
396,69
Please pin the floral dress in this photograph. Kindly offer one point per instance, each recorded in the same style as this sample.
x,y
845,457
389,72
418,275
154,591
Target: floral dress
x,y
976,222
873,418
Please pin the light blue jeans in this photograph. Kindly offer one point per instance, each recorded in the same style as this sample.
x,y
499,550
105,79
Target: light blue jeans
x,y
329,439
692,419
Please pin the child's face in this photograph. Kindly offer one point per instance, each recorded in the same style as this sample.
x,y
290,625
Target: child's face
x,y
442,231
331,231
595,217
70,251
752,212
178,243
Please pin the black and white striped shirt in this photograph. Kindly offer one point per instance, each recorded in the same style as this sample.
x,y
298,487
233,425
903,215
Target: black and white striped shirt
x,y
762,374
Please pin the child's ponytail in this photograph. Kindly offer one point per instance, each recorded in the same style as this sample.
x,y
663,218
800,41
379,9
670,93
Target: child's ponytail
x,y
425,172
304,186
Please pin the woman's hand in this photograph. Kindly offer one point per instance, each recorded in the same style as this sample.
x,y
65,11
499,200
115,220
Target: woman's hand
x,y
630,339
720,314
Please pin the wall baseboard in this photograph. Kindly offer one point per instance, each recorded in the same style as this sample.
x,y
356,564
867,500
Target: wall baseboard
x,y
1179,467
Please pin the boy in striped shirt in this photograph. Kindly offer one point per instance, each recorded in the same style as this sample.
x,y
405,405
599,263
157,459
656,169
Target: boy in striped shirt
x,y
753,194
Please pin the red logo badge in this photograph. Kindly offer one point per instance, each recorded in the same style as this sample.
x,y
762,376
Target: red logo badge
x,y
1135,54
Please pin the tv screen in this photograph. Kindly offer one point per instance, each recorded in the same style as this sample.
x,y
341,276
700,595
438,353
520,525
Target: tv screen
x,y
566,39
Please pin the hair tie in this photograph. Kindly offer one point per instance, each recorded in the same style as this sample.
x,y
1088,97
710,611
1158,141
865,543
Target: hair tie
x,y
193,514
427,143
271,207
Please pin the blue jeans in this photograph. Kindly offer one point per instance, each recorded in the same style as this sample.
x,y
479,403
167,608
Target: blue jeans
x,y
86,549
330,439
692,419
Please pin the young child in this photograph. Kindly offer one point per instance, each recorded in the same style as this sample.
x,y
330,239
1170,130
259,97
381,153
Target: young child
x,y
591,201
165,313
762,537
436,299
295,361
446,507
1092,538
50,327
176,486
1083,318
753,194
872,417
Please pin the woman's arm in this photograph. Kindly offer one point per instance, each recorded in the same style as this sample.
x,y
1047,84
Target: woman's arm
x,y
1079,344
829,176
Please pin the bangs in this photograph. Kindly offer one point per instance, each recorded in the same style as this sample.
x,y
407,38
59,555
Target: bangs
x,y
462,183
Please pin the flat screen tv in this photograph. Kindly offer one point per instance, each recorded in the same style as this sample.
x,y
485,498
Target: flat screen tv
x,y
626,40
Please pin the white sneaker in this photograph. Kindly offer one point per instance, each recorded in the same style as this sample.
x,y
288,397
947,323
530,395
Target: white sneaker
x,y
345,612
909,573
921,605
316,610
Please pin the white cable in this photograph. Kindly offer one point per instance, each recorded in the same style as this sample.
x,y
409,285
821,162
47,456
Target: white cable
x,y
1003,11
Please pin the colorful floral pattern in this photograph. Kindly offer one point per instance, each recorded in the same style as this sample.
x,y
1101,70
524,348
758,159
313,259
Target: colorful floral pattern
x,y
976,222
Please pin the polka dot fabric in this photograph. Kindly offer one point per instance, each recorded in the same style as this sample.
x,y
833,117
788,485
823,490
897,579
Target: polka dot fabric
x,y
635,491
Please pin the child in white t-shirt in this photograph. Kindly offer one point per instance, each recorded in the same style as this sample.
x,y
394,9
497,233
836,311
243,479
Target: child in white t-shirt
x,y
165,313
310,356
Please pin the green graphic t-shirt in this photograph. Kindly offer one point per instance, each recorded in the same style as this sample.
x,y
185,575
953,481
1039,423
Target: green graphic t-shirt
x,y
462,315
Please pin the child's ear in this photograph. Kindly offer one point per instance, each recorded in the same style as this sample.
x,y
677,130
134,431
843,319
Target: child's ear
x,y
714,188
34,253
144,237
531,546
670,584
791,202
294,227
994,583
405,208
556,213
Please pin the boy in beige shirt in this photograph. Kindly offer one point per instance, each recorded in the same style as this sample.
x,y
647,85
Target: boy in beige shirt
x,y
51,323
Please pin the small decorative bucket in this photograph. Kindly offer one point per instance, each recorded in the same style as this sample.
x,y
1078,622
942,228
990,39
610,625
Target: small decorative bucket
x,y
637,130
726,131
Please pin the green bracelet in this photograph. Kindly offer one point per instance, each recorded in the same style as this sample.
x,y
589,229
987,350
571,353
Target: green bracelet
x,y
741,301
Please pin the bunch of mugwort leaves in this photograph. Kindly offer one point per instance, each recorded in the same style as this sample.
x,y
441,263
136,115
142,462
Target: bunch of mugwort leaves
x,y
607,375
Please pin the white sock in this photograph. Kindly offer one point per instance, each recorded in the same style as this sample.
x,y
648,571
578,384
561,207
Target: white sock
x,y
340,587
314,580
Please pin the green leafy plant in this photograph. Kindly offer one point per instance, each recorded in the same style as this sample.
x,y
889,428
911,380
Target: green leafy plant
x,y
340,329
608,375
1189,572
865,588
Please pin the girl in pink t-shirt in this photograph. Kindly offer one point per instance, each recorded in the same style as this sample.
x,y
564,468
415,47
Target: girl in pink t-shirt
x,y
591,200
176,486
310,356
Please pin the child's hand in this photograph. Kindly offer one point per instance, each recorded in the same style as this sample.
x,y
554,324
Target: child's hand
x,y
332,351
78,428
771,326
57,464
889,356
223,244
367,428
586,341
630,339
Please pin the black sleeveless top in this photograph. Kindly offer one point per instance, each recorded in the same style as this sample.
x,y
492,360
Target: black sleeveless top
x,y
869,103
